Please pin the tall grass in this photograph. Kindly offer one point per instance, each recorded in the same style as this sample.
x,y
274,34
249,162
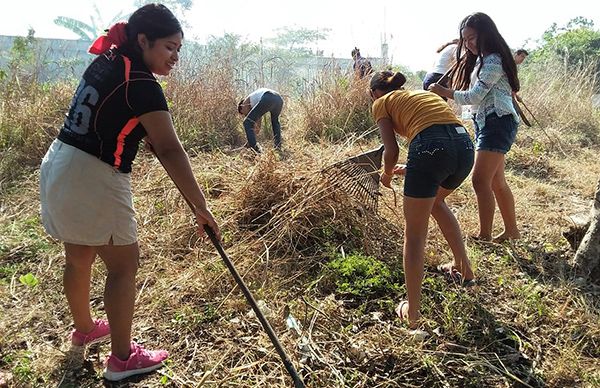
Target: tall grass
x,y
560,97
205,107
30,117
334,107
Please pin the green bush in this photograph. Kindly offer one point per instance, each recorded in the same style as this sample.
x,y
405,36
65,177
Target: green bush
x,y
361,276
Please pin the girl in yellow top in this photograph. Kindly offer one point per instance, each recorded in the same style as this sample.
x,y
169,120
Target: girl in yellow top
x,y
440,157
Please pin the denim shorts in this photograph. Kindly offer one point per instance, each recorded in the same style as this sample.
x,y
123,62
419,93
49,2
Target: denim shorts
x,y
440,155
497,135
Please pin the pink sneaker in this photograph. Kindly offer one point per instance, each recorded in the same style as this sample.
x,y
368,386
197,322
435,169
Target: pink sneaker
x,y
140,361
100,333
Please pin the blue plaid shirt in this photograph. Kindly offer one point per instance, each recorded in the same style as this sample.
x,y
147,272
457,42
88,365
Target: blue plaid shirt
x,y
490,93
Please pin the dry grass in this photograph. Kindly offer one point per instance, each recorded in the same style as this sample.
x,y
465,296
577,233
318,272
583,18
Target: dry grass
x,y
205,107
334,108
30,114
560,97
530,322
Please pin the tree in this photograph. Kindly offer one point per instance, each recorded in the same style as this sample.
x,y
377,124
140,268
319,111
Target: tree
x,y
176,6
88,31
21,60
297,40
587,257
576,43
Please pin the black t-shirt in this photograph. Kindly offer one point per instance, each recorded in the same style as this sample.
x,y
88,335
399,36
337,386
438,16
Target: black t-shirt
x,y
102,120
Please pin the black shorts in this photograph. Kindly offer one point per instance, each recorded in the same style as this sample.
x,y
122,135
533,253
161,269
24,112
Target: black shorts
x,y
440,155
497,135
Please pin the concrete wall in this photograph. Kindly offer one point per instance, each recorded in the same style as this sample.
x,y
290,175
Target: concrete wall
x,y
59,59
54,58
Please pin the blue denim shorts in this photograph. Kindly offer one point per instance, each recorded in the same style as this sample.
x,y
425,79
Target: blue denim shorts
x,y
440,155
497,135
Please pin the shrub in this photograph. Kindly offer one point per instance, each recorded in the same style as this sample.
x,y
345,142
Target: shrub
x,y
361,276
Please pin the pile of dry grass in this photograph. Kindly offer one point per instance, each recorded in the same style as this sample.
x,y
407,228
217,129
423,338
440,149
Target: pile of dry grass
x,y
300,212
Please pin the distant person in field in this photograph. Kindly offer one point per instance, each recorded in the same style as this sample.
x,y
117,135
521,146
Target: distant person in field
x,y
440,157
85,178
361,66
490,96
520,56
254,107
444,61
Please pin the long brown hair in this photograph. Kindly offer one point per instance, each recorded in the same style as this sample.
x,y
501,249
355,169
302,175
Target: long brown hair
x,y
490,41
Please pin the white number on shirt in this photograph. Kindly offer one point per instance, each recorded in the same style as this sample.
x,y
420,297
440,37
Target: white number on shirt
x,y
78,119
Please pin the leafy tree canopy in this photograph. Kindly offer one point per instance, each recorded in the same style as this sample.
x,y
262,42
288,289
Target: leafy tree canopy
x,y
298,39
96,26
577,42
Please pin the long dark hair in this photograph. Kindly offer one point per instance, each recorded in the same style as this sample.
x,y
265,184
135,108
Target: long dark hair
x,y
155,21
387,81
489,41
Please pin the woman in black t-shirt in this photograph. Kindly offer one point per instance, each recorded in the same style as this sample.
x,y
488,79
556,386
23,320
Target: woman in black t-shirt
x,y
85,185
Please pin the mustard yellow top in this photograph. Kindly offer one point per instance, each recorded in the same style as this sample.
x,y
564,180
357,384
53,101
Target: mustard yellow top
x,y
411,111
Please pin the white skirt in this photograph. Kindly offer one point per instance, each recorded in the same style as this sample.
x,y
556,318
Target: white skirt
x,y
84,200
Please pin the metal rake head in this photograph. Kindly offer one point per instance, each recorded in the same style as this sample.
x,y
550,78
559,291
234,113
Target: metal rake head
x,y
359,177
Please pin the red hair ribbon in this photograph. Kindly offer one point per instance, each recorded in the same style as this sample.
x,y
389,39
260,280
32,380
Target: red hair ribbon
x,y
116,35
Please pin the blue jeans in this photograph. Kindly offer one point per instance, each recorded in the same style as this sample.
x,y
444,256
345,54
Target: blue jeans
x,y
440,155
269,102
497,135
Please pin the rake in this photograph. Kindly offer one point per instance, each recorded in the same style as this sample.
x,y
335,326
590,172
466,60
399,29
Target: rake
x,y
521,113
298,383
556,143
359,177
531,113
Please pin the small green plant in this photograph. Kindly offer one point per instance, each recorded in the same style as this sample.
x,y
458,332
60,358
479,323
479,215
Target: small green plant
x,y
532,295
538,148
189,316
361,276
6,271
168,376
29,280
24,238
22,370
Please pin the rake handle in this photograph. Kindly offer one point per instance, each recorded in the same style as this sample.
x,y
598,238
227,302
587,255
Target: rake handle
x,y
532,115
263,320
298,383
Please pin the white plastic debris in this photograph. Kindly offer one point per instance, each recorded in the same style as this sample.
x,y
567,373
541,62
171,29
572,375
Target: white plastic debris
x,y
262,305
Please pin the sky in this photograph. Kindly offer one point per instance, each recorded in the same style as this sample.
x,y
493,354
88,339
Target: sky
x,y
412,30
